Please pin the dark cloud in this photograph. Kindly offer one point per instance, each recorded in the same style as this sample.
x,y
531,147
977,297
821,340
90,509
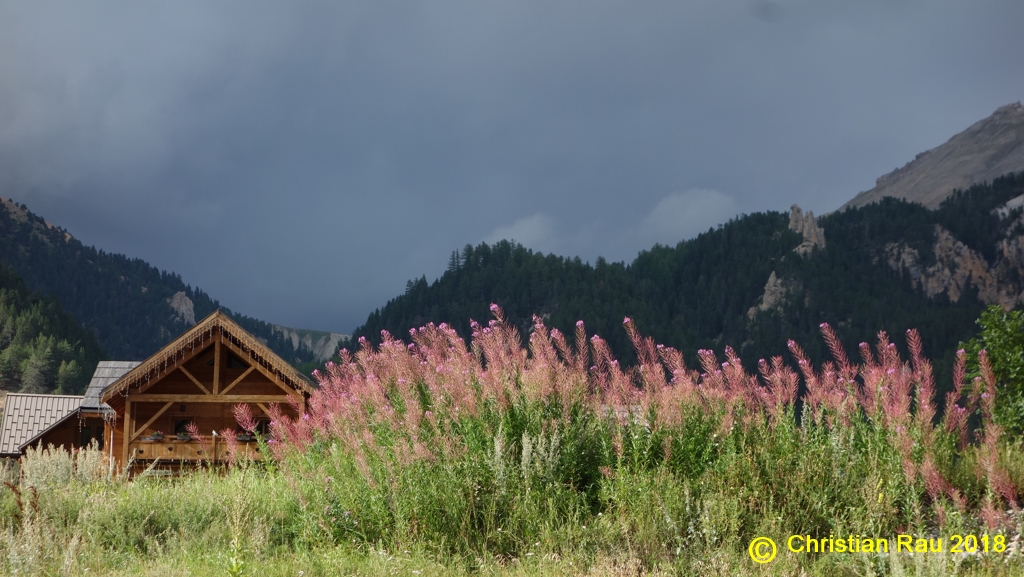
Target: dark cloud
x,y
301,162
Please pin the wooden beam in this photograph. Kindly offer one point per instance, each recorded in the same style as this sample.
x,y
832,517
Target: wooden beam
x,y
216,363
127,427
263,408
209,398
193,379
138,431
238,380
186,357
266,372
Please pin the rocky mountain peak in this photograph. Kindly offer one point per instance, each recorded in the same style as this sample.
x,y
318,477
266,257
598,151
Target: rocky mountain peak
x,y
989,148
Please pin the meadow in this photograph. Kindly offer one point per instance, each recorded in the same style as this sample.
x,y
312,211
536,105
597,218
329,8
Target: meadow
x,y
498,457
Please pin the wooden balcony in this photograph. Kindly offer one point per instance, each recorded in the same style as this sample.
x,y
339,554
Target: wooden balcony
x,y
174,450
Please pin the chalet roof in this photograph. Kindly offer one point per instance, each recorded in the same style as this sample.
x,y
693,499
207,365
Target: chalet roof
x,y
106,373
197,338
28,416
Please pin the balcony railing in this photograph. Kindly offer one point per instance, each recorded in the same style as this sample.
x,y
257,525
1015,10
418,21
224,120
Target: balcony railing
x,y
171,449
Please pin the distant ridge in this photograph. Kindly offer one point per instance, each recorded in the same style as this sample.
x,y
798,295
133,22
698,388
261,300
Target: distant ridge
x,y
988,149
130,307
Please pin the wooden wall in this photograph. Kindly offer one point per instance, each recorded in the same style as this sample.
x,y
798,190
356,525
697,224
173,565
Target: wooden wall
x,y
69,433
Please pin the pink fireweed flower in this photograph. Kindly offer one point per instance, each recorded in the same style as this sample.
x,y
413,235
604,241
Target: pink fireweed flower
x,y
626,321
579,323
494,307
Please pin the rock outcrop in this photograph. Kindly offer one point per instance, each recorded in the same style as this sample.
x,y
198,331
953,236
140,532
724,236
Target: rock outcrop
x,y
773,298
958,269
183,307
990,148
806,225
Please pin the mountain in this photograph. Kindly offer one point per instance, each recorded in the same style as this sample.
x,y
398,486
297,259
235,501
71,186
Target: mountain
x,y
42,348
129,306
987,150
757,281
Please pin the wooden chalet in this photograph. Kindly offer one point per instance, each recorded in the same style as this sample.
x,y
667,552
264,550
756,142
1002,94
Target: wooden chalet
x,y
197,379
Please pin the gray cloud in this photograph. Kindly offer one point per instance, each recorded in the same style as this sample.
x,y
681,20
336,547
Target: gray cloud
x,y
335,150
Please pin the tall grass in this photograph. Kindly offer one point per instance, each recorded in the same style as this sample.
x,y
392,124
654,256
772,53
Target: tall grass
x,y
495,456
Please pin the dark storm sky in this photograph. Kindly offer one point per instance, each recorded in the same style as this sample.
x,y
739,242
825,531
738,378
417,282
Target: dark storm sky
x,y
301,161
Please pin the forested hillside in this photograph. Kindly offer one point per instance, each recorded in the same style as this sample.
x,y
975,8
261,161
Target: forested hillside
x,y
124,302
700,293
42,348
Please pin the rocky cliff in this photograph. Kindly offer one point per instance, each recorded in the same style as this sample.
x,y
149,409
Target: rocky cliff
x,y
957,269
988,149
322,344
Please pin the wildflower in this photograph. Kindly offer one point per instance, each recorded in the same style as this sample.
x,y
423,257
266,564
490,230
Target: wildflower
x,y
626,321
579,323
494,308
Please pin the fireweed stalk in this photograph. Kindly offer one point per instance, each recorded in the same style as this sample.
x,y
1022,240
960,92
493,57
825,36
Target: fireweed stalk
x,y
492,445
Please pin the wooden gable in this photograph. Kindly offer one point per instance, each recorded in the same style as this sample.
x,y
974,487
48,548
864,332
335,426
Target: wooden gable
x,y
198,378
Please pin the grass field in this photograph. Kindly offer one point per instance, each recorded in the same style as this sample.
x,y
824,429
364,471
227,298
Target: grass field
x,y
443,458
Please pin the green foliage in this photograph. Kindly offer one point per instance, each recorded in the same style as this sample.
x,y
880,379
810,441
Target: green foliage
x,y
42,348
1002,336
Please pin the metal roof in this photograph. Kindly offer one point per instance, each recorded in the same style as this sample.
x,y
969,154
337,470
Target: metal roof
x,y
106,373
28,416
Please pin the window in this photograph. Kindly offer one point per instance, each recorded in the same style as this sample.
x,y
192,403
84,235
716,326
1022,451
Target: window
x,y
263,427
236,363
181,425
90,433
